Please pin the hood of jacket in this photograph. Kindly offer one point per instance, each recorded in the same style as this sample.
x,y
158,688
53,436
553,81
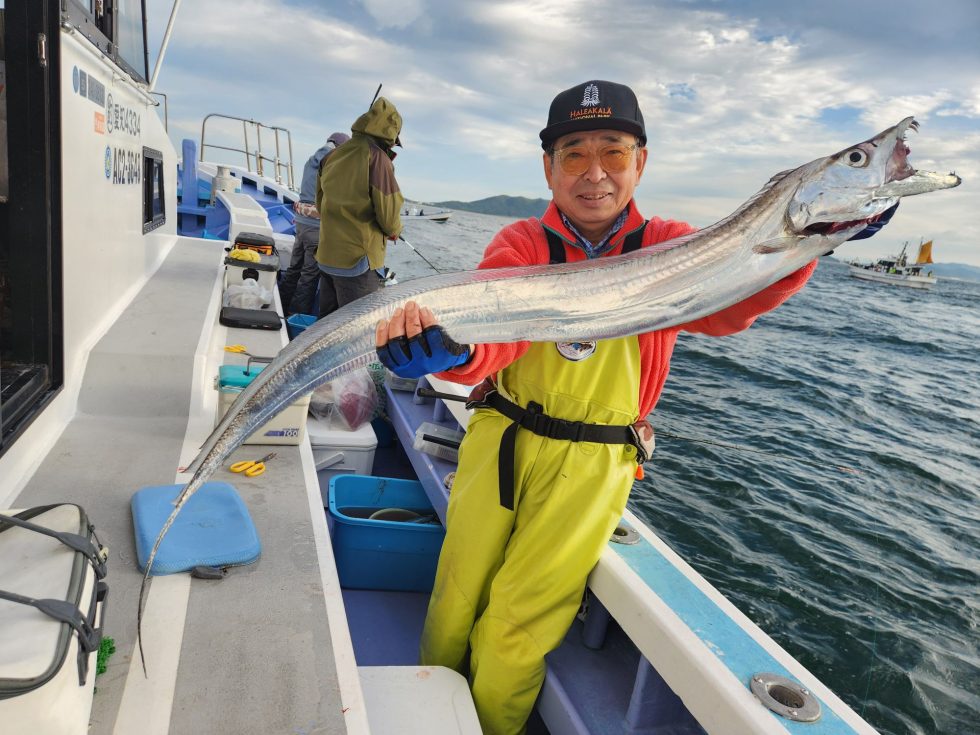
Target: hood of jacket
x,y
382,122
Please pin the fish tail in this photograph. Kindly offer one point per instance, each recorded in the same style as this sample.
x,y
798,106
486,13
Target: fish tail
x,y
189,489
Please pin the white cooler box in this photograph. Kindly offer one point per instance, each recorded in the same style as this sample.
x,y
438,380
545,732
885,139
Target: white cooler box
x,y
289,427
339,452
52,595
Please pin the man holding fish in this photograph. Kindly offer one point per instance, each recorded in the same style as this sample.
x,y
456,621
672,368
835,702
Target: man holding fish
x,y
560,429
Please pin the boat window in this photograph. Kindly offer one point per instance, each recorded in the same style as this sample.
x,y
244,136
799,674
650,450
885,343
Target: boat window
x,y
130,36
154,211
117,28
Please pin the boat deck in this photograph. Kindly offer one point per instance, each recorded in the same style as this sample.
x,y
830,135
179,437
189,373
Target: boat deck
x,y
253,652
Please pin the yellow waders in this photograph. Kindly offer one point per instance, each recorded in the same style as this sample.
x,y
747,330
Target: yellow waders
x,y
509,583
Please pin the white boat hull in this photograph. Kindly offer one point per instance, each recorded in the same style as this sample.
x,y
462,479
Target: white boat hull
x,y
895,279
436,215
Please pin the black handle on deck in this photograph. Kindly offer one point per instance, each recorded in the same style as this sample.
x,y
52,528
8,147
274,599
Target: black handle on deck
x,y
440,441
429,393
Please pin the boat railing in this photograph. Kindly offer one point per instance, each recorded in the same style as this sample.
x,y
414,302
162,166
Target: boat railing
x,y
256,158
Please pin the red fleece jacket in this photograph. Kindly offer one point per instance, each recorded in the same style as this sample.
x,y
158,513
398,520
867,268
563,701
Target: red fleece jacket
x,y
525,243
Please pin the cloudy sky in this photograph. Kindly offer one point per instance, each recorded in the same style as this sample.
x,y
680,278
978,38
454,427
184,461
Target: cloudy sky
x,y
731,92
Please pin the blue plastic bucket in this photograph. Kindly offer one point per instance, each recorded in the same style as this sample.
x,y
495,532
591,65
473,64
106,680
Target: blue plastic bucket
x,y
379,554
297,323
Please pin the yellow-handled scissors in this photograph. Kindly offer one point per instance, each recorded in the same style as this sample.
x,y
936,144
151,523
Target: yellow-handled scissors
x,y
252,467
237,348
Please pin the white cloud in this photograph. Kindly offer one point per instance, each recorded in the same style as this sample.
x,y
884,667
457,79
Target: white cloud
x,y
394,13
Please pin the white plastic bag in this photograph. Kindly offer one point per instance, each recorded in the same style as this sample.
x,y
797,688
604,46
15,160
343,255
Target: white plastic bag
x,y
348,402
246,295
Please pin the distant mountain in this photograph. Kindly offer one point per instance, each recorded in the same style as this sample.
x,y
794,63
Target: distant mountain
x,y
504,206
955,270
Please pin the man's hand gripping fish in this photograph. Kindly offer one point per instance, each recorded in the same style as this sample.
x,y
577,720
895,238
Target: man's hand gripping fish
x,y
798,215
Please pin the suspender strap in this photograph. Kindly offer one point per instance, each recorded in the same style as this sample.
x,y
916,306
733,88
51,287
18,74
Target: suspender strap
x,y
73,541
534,420
556,246
634,240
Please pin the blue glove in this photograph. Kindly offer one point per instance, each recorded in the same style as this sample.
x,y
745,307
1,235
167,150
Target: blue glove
x,y
431,351
873,227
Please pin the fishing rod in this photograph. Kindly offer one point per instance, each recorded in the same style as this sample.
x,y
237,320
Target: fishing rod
x,y
428,262
376,93
429,393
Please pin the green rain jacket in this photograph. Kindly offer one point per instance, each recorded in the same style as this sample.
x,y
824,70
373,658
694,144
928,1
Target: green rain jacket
x,y
357,195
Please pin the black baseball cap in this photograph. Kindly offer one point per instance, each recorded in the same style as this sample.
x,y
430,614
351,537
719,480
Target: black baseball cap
x,y
594,105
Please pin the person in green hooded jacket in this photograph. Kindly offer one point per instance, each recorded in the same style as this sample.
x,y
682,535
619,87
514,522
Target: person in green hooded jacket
x,y
360,206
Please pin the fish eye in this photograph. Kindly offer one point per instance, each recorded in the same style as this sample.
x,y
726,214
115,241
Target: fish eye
x,y
856,158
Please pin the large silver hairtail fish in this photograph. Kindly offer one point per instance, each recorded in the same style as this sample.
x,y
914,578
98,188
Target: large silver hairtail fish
x,y
799,215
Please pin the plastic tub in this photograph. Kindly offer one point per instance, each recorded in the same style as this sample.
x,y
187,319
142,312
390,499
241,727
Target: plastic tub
x,y
438,441
298,323
378,554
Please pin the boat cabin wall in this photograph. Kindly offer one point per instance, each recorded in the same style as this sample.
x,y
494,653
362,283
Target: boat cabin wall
x,y
118,221
115,150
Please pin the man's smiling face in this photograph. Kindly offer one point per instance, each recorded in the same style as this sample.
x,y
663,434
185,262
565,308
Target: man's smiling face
x,y
592,200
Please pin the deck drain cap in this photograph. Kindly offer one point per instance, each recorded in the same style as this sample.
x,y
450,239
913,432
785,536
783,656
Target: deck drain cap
x,y
785,697
625,535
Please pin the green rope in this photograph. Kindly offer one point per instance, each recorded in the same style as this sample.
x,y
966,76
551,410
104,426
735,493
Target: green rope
x,y
106,648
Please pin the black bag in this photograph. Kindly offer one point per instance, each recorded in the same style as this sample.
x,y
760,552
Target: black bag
x,y
249,318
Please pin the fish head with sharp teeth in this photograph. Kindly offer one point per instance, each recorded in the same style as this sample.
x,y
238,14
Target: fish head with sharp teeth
x,y
842,192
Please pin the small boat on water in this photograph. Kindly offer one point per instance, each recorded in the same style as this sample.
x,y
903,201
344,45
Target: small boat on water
x,y
896,270
420,212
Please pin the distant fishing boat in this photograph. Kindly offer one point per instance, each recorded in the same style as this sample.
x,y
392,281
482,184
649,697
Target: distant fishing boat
x,y
897,270
433,213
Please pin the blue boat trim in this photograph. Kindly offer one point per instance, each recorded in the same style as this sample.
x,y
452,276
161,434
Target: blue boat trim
x,y
731,644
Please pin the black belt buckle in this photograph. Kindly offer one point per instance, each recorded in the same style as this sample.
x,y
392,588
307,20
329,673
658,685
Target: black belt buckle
x,y
565,429
536,421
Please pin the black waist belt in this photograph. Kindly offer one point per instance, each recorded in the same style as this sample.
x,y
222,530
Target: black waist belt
x,y
532,419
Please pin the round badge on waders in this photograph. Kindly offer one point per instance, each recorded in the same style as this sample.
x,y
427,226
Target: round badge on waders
x,y
575,351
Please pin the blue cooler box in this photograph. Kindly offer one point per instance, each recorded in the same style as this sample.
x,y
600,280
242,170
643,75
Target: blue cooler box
x,y
375,554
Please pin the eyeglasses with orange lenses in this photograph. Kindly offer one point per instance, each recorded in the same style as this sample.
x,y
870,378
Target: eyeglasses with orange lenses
x,y
575,160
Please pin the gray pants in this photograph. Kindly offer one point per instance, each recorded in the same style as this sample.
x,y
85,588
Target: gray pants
x,y
297,285
337,291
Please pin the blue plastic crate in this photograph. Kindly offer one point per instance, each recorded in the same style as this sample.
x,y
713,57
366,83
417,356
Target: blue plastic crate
x,y
377,554
297,323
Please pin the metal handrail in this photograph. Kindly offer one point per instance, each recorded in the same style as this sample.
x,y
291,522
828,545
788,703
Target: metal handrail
x,y
166,121
256,154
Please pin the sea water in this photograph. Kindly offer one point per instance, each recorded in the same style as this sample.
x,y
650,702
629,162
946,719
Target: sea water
x,y
828,479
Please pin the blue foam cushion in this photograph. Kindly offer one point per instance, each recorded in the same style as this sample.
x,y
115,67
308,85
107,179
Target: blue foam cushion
x,y
213,529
